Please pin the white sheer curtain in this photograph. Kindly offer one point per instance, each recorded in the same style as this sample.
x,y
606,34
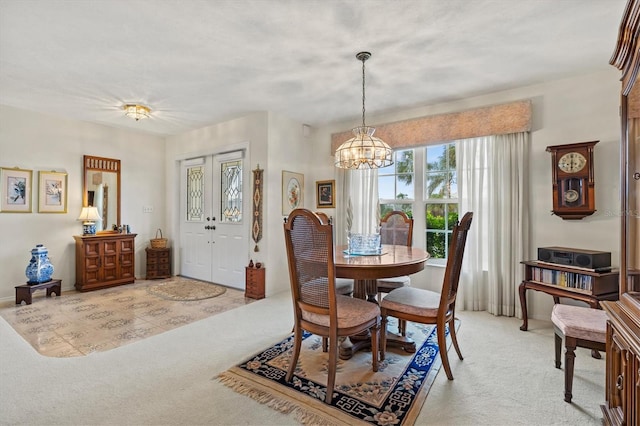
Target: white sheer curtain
x,y
492,182
361,188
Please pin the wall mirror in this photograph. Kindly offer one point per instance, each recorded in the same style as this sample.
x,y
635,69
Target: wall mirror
x,y
102,190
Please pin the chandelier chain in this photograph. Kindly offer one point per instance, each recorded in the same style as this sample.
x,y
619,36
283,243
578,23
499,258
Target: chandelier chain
x,y
363,110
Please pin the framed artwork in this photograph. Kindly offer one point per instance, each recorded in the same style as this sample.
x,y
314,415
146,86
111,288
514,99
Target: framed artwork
x,y
292,191
325,193
15,190
52,192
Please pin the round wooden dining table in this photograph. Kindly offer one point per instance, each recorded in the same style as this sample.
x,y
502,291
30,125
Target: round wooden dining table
x,y
393,261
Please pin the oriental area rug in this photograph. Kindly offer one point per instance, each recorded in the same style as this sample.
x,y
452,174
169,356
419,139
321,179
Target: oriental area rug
x,y
185,289
392,396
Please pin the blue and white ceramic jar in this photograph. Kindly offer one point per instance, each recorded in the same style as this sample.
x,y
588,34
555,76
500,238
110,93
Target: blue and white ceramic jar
x,y
39,269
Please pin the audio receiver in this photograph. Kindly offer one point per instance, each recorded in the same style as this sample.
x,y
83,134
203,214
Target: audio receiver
x,y
575,257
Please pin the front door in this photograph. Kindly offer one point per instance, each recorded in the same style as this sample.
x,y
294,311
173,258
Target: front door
x,y
214,230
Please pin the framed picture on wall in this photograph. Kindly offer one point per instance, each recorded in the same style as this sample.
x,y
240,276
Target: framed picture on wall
x,y
325,194
15,190
292,191
52,192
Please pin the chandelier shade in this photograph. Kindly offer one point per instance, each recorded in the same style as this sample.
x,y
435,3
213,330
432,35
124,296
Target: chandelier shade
x,y
363,150
137,112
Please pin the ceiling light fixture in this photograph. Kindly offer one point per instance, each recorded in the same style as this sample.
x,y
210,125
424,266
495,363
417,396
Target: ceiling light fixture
x,y
136,111
363,150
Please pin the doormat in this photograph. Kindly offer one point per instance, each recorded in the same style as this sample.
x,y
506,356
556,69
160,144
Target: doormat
x,y
185,289
394,395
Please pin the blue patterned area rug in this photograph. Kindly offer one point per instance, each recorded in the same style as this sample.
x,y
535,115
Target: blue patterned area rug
x,y
392,396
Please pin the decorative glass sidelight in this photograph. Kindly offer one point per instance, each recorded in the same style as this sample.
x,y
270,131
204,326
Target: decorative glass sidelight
x,y
231,191
195,193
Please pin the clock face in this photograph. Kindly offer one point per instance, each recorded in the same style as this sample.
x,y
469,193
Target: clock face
x,y
572,162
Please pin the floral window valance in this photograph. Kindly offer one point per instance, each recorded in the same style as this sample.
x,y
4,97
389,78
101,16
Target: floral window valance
x,y
501,119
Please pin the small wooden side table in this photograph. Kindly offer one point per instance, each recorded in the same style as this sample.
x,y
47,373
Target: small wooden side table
x,y
24,291
254,283
158,263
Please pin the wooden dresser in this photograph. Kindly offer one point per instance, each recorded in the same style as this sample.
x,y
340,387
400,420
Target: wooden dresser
x,y
158,263
254,283
622,383
104,260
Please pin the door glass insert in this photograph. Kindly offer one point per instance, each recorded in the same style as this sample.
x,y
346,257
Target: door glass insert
x,y
231,191
195,194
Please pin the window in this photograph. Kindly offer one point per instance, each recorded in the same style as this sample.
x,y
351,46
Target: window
x,y
396,184
441,198
435,197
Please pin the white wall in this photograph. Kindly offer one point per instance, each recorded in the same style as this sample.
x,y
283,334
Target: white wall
x,y
39,142
578,109
288,150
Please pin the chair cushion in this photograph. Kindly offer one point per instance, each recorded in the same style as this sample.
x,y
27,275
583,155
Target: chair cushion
x,y
344,286
580,322
351,312
415,301
385,285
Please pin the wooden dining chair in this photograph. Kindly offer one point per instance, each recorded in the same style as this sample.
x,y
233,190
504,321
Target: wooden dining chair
x,y
429,307
343,285
395,228
317,307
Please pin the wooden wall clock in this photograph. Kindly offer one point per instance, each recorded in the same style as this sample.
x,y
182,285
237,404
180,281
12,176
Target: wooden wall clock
x,y
573,180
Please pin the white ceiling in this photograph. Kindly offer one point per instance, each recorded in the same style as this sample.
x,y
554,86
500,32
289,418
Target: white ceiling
x,y
198,62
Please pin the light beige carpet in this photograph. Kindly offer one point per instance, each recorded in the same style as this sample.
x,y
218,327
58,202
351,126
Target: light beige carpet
x,y
507,377
184,289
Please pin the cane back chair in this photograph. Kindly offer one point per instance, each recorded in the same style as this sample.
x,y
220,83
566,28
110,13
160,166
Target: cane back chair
x,y
429,307
395,228
316,306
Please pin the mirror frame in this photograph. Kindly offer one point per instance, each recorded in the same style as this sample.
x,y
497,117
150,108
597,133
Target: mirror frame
x,y
111,165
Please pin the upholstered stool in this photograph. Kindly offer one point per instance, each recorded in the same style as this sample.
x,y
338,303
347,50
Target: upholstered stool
x,y
581,327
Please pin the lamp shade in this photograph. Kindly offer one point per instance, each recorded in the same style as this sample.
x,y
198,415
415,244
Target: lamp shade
x,y
88,216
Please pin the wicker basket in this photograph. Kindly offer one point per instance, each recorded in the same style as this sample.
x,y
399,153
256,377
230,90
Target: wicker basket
x,y
159,242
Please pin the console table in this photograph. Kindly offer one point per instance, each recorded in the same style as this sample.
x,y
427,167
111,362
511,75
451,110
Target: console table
x,y
566,281
104,260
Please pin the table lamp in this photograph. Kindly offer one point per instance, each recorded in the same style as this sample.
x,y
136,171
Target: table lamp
x,y
88,216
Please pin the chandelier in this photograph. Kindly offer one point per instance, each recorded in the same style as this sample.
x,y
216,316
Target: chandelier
x,y
136,111
363,150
